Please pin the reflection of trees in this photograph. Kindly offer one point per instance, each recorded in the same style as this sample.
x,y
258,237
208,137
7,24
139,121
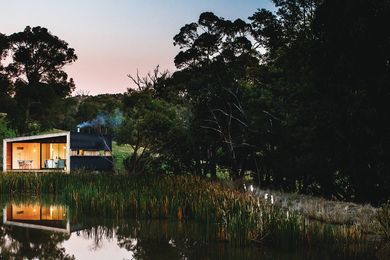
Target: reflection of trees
x,y
175,240
98,234
145,239
144,243
20,243
161,239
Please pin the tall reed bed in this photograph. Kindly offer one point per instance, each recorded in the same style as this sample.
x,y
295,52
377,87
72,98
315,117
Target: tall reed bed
x,y
239,217
383,217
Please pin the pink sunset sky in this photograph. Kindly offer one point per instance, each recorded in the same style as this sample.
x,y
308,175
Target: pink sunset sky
x,y
114,38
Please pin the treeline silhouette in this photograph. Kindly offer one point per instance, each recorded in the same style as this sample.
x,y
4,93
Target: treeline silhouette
x,y
297,99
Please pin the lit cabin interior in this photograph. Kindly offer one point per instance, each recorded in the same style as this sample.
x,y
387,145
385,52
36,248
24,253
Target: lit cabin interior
x,y
39,154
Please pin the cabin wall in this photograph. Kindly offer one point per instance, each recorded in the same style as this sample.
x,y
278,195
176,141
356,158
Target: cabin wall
x,y
68,152
84,149
92,163
9,157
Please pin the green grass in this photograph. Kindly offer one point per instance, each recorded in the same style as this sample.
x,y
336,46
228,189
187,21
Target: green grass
x,y
119,154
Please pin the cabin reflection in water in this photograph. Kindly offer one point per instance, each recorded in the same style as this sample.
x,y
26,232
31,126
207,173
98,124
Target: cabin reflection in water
x,y
44,217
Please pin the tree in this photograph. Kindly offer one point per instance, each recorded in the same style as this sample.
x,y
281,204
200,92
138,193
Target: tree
x,y
329,94
155,128
215,62
352,74
6,89
5,132
90,106
297,97
284,80
36,69
152,126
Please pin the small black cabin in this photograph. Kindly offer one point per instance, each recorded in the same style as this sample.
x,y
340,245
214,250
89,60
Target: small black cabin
x,y
64,151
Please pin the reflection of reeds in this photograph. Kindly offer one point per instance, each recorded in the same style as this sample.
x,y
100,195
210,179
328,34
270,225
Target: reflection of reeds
x,y
240,217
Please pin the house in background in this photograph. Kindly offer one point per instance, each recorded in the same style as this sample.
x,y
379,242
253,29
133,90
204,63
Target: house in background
x,y
64,151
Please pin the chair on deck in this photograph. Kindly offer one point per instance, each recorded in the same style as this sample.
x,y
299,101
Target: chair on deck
x,y
61,164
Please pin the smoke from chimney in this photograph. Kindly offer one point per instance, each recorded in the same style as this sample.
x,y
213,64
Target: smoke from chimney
x,y
103,119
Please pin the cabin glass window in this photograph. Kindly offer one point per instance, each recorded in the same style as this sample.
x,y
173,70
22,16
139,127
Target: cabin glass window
x,y
25,156
53,155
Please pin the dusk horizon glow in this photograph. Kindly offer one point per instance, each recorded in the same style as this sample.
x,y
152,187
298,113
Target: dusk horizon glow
x,y
115,38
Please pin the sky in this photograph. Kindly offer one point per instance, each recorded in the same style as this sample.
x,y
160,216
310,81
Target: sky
x,y
114,38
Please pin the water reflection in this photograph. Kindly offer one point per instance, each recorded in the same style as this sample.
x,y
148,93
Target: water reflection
x,y
34,231
44,217
55,231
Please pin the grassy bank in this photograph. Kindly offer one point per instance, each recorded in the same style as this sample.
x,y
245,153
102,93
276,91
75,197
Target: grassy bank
x,y
241,218
119,154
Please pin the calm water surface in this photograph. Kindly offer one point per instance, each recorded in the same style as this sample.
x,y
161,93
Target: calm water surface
x,y
30,230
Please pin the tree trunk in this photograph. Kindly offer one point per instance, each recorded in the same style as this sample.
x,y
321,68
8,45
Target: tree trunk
x,y
198,166
212,162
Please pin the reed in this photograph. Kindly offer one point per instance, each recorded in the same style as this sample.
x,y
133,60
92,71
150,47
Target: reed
x,y
383,218
241,218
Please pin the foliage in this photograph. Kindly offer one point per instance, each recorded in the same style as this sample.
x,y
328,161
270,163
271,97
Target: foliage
x,y
153,127
5,132
35,70
259,97
286,96
90,106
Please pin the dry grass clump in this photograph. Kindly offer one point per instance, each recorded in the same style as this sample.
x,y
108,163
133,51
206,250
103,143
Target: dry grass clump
x,y
383,218
327,211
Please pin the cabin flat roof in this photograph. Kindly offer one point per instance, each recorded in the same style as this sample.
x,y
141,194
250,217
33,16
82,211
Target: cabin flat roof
x,y
34,137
